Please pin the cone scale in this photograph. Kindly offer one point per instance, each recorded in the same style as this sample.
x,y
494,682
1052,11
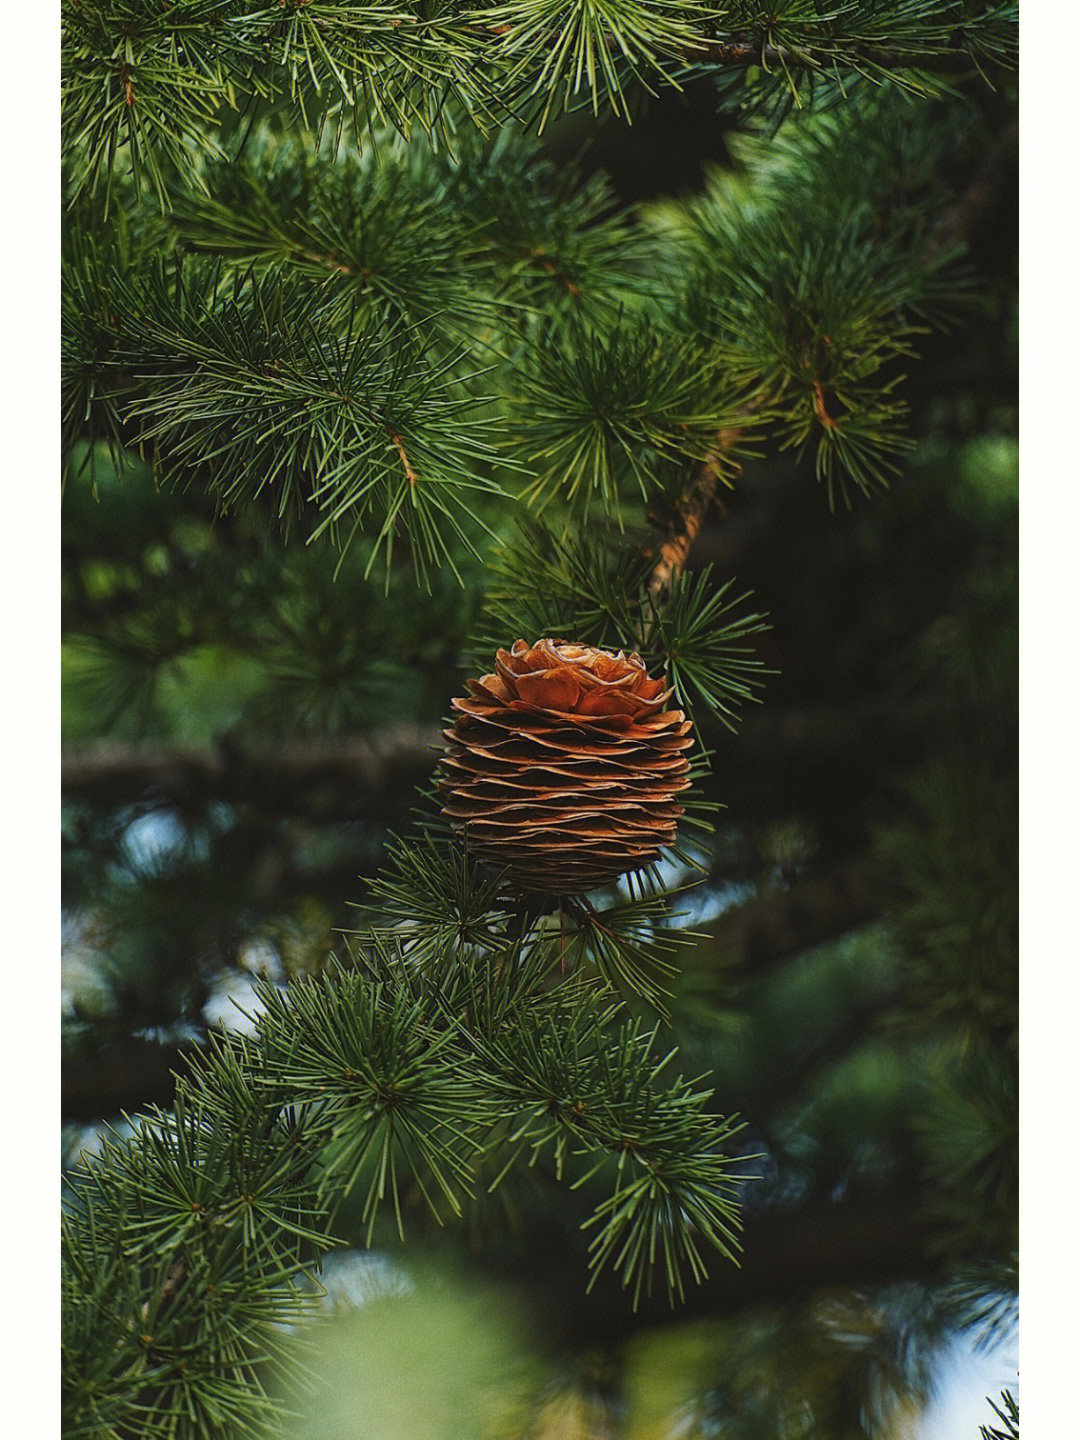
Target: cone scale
x,y
563,766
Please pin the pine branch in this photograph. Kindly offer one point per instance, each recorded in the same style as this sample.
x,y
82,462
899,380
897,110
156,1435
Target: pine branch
x,y
952,231
598,409
1008,1413
184,1245
384,227
737,53
251,383
592,1096
185,1250
457,1044
146,83
744,943
608,415
787,1252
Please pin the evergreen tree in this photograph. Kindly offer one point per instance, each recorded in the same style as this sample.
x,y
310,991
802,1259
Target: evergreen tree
x,y
369,372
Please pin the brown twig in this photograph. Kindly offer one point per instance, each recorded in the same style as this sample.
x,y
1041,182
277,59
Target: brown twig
x,y
410,473
690,512
784,57
331,262
820,409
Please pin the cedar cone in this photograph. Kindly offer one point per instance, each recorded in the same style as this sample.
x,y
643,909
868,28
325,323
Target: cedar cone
x,y
563,767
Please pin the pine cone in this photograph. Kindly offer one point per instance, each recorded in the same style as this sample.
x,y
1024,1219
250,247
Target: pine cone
x,y
564,765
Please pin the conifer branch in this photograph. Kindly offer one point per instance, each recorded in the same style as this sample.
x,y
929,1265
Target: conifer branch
x,y
787,1252
323,366
150,80
738,53
350,777
953,230
691,510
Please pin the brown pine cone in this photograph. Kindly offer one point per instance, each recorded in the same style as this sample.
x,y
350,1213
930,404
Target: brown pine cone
x,y
563,766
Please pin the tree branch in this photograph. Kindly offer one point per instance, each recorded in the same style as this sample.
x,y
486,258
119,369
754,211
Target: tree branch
x,y
131,1074
741,52
341,779
350,778
787,1252
961,221
690,512
737,53
754,938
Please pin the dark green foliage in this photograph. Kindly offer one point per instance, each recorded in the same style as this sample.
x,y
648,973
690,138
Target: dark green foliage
x,y
394,1082
599,417
145,85
339,364
352,416
961,921
156,591
146,82
389,1091
185,1248
560,47
705,645
971,1138
811,300
444,910
442,905
550,237
583,584
593,584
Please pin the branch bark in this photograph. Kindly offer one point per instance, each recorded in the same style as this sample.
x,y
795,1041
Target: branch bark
x,y
787,1252
352,778
344,779
691,511
756,937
